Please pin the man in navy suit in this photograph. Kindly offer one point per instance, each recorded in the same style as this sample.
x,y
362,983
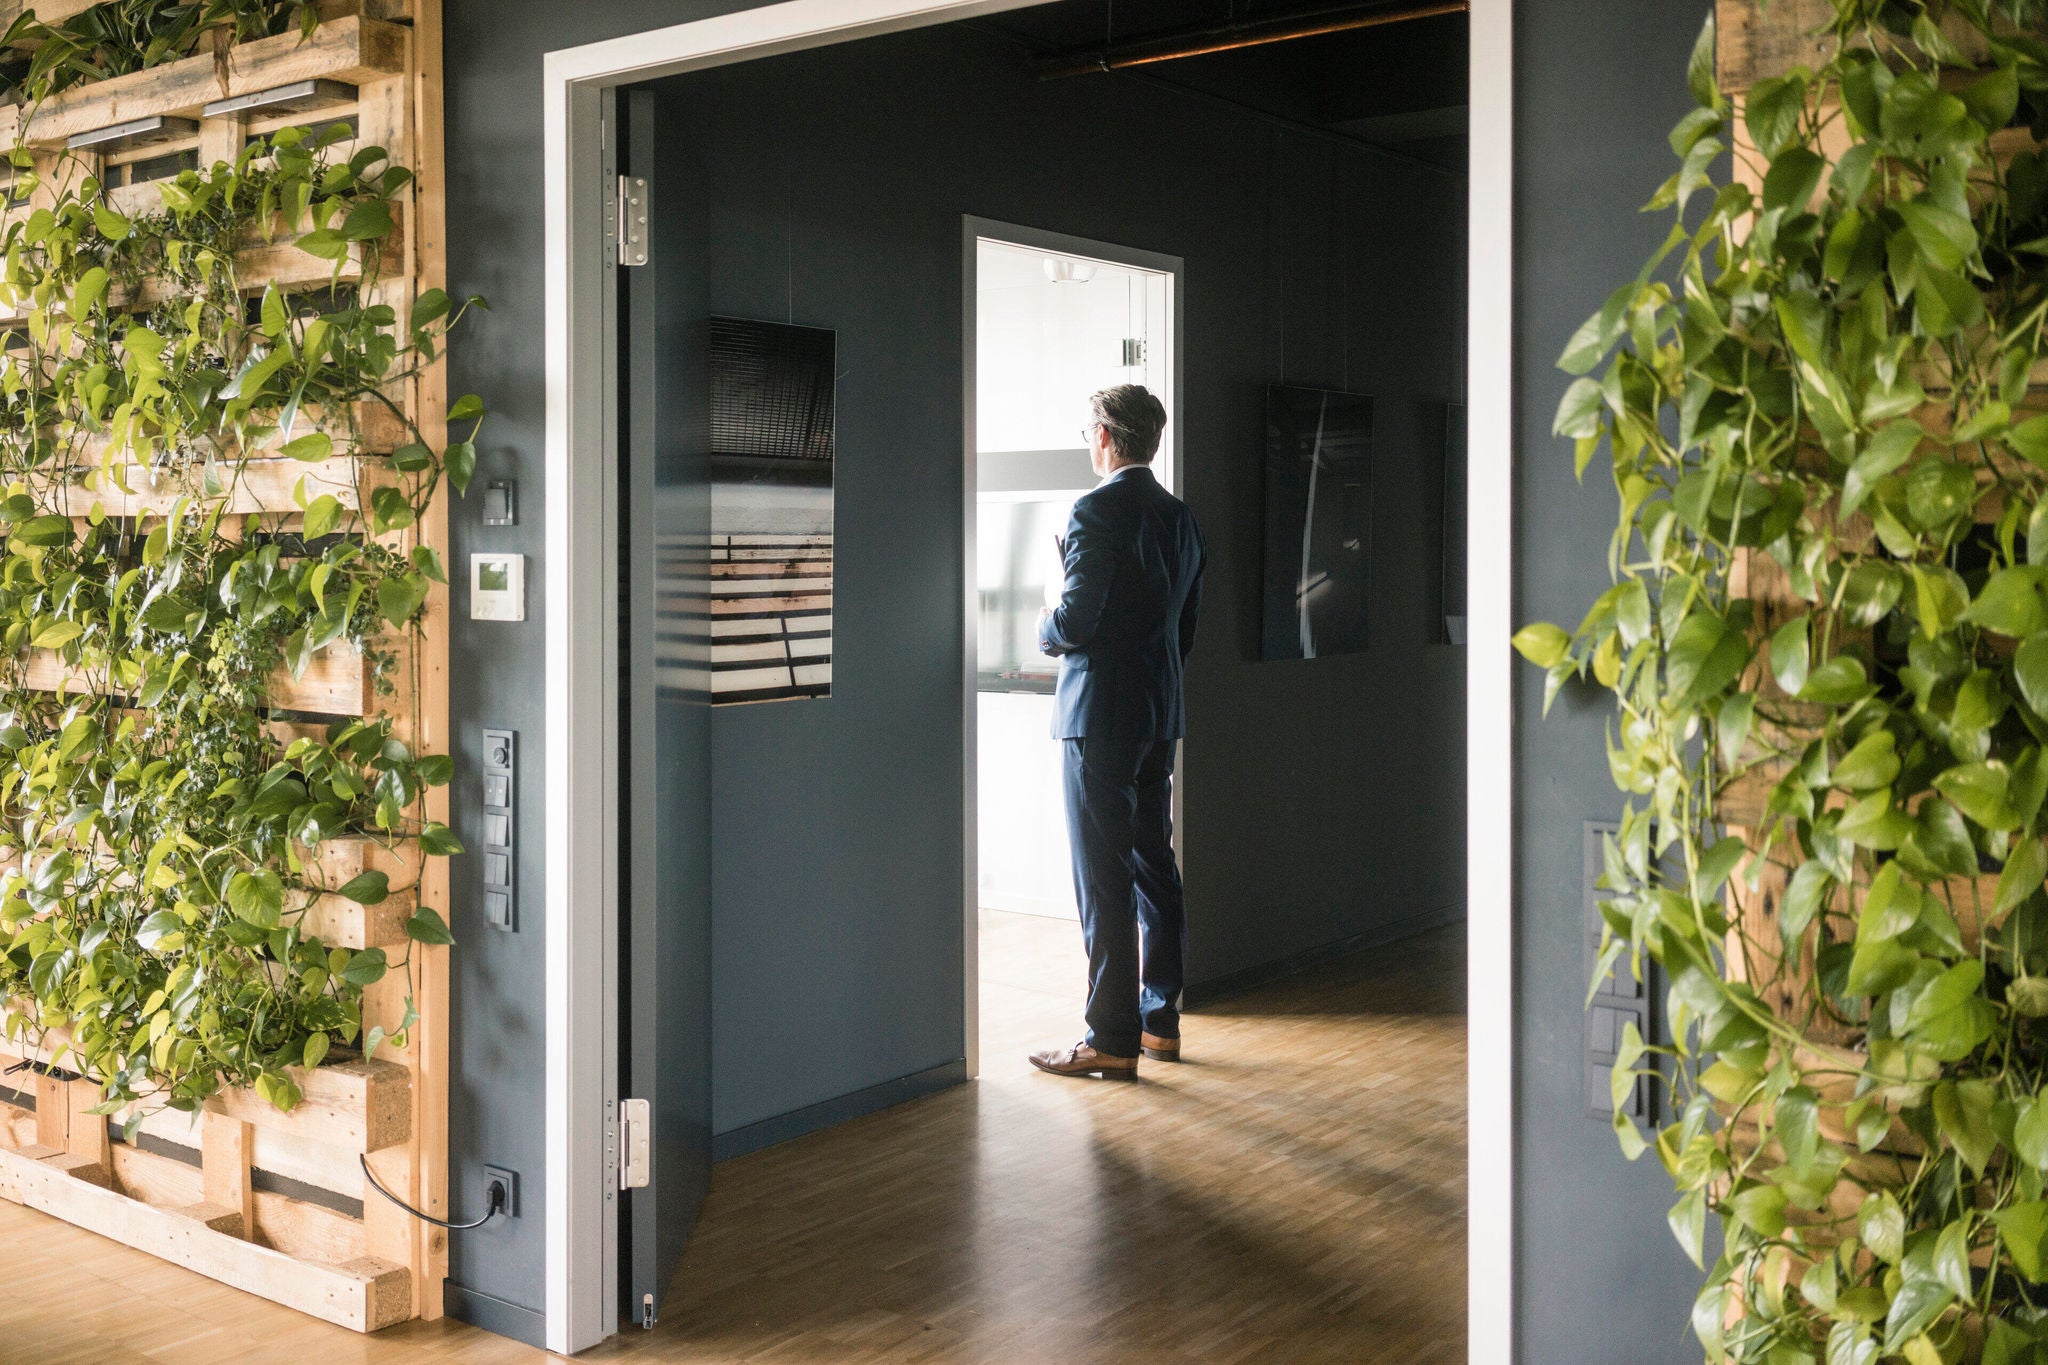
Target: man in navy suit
x,y
1122,632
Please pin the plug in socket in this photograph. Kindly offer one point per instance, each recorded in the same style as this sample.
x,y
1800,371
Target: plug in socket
x,y
494,1175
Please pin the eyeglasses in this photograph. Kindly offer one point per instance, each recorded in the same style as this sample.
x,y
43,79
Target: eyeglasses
x,y
1088,433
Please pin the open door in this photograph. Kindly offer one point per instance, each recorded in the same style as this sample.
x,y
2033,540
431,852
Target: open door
x,y
665,717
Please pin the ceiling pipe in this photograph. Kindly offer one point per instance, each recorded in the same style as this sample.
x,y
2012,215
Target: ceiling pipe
x,y
1198,42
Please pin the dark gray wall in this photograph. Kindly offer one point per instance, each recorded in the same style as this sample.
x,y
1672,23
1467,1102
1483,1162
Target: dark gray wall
x,y
1597,85
1322,797
495,248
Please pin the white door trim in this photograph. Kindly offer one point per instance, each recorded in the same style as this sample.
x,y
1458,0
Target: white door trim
x,y
581,908
1489,692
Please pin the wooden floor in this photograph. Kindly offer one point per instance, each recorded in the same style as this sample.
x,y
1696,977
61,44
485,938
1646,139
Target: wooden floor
x,y
1294,1192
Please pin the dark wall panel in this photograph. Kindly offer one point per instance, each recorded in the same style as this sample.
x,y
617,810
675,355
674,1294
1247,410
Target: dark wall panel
x,y
1597,85
1323,798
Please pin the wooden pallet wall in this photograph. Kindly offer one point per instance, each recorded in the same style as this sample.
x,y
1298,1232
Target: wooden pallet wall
x,y
270,1202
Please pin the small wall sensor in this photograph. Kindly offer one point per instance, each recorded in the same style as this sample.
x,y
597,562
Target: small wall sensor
x,y
497,587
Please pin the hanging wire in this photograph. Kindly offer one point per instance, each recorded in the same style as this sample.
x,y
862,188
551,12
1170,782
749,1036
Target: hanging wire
x,y
497,1203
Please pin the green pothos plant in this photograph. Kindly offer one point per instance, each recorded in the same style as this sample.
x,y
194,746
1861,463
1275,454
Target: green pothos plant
x,y
159,823
1823,405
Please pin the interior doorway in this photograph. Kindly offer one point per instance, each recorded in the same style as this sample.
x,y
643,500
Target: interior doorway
x,y
1053,319
1271,247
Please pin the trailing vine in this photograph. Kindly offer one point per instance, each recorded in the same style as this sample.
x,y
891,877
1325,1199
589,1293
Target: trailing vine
x,y
1822,408
163,824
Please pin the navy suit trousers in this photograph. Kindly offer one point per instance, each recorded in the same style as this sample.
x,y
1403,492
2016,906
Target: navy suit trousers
x,y
1120,826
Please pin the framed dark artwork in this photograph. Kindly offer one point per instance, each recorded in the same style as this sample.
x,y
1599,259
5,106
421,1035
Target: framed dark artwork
x,y
1318,522
758,597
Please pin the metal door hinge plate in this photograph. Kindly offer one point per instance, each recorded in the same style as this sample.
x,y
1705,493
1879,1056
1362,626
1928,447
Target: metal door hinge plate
x,y
632,220
635,1124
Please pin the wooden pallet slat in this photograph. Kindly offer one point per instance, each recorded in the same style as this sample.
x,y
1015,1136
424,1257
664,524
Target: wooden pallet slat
x,y
338,681
358,1106
361,1294
348,48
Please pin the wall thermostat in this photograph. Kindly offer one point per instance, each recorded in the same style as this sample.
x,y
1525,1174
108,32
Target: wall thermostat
x,y
497,587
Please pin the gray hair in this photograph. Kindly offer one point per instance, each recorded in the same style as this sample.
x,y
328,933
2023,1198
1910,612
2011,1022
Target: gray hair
x,y
1133,417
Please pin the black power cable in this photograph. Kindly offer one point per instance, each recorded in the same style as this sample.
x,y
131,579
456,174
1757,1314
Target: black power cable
x,y
497,1203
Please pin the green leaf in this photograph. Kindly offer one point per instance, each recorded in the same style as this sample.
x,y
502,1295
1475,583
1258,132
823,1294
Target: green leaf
x,y
1919,1301
1802,899
1699,67
315,1050
314,445
321,515
1978,791
90,289
1890,447
1794,179
57,634
400,597
1873,763
257,897
112,226
1705,656
366,888
1882,1226
460,462
1797,1121
161,932
427,926
1962,1111
2030,673
1838,682
1545,645
2026,868
365,968
1688,1220
2030,1132
2010,604
2021,1228
1944,236
1789,656
1946,992
466,408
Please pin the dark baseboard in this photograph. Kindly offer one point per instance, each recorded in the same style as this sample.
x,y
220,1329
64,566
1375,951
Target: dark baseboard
x,y
1219,988
810,1118
494,1315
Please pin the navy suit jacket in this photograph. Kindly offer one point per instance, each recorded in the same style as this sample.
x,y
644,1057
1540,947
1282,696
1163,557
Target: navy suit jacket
x,y
1126,618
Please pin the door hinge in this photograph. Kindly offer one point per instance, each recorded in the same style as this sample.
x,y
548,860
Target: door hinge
x,y
635,1138
1134,351
647,1312
630,220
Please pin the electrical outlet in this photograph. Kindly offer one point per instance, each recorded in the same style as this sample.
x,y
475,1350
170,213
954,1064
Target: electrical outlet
x,y
494,1175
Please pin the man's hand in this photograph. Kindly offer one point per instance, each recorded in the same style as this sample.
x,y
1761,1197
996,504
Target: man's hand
x,y
1043,647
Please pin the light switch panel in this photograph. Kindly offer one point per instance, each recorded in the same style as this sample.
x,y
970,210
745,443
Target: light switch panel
x,y
497,587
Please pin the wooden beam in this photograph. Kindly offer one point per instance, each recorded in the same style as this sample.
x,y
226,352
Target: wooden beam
x,y
358,1106
362,1295
431,1063
224,1147
88,1136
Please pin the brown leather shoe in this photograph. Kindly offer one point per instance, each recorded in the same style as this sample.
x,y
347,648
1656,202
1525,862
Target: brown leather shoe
x,y
1083,1060
1159,1049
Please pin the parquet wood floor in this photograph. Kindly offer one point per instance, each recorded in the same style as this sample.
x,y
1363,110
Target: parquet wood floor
x,y
1293,1193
